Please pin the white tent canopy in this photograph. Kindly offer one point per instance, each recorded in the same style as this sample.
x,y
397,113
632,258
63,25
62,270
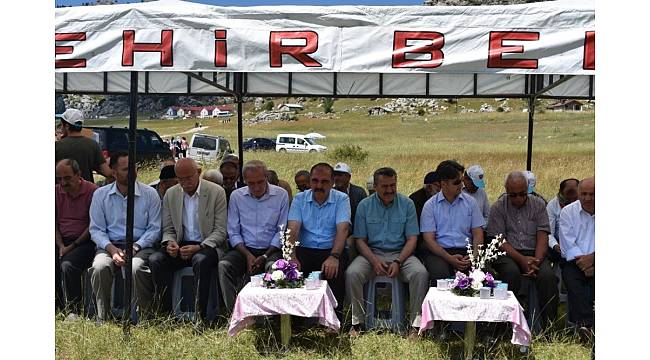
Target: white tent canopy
x,y
345,51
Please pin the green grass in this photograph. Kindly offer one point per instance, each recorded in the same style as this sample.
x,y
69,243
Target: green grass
x,y
563,142
83,340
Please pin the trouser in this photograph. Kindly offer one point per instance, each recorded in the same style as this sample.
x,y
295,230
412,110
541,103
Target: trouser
x,y
313,259
163,267
69,269
361,271
102,280
233,273
581,294
437,267
546,283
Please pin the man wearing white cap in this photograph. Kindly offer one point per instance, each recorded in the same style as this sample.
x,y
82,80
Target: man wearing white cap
x,y
342,176
474,183
75,146
532,181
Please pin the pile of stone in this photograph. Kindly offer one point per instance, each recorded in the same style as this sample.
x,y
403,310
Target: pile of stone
x,y
411,105
486,108
267,116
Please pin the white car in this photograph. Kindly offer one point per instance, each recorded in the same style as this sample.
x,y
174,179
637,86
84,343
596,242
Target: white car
x,y
208,148
297,143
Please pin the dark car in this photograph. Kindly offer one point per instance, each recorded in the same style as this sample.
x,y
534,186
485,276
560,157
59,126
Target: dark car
x,y
149,146
259,144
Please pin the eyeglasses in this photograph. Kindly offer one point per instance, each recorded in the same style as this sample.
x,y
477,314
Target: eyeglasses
x,y
519,194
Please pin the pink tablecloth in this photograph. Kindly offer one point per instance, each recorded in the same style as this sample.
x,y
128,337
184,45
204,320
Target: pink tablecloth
x,y
444,305
260,301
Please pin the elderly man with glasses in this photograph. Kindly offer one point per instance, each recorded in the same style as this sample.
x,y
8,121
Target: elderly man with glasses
x,y
448,219
522,219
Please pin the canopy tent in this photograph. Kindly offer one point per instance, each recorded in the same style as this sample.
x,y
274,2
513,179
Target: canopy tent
x,y
175,47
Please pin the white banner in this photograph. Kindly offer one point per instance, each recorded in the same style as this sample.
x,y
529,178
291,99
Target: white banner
x,y
540,38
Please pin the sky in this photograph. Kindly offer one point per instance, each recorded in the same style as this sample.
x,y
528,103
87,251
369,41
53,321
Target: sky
x,y
274,2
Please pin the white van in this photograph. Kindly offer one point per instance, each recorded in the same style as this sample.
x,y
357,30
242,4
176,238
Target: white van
x,y
224,113
208,148
297,143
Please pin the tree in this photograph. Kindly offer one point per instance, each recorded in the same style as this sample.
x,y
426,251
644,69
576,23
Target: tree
x,y
327,105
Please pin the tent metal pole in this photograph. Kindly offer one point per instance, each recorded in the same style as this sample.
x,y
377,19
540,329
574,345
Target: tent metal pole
x,y
239,83
130,203
531,115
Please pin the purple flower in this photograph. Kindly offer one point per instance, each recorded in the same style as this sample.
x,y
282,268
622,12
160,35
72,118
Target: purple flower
x,y
267,277
280,264
292,275
464,282
293,265
489,280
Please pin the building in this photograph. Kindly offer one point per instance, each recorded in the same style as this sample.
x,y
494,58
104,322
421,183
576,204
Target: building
x,y
566,105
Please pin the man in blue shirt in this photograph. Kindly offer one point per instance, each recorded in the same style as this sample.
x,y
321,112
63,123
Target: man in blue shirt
x,y
386,230
448,220
108,231
319,219
255,214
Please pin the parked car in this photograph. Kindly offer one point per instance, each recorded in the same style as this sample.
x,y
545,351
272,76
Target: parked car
x,y
208,148
297,143
259,144
149,145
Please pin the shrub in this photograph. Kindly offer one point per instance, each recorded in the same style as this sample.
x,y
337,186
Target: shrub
x,y
268,106
327,105
348,153
421,112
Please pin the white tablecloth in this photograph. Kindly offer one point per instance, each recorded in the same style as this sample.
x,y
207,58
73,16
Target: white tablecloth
x,y
260,301
444,305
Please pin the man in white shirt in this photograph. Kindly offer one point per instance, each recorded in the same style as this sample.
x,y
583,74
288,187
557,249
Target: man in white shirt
x,y
568,193
577,242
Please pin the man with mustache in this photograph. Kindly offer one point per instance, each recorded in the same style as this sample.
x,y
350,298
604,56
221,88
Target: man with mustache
x,y
320,219
74,250
386,236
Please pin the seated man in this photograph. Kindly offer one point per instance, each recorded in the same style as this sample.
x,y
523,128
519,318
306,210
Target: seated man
x,y
255,213
167,179
577,241
74,250
342,176
320,219
302,180
386,237
568,193
448,219
420,197
522,219
108,231
194,234
213,175
229,169
473,185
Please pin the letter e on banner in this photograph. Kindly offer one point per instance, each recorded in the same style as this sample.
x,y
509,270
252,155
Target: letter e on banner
x,y
401,48
589,61
298,52
64,50
497,49
164,47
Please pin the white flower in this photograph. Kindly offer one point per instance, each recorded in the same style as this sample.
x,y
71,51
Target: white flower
x,y
277,275
477,276
476,285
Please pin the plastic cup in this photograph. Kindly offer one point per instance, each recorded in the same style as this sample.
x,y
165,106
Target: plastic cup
x,y
500,293
442,284
484,292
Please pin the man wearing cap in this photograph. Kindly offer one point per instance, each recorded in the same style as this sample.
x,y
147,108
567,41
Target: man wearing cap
x,y
229,169
577,241
194,234
522,219
255,214
532,181
83,150
108,231
166,179
74,250
448,219
342,176
386,237
302,180
319,219
473,185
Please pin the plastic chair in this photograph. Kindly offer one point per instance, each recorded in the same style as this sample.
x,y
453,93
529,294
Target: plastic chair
x,y
396,320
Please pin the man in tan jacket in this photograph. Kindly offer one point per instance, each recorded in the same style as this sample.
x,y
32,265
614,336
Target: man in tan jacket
x,y
194,234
